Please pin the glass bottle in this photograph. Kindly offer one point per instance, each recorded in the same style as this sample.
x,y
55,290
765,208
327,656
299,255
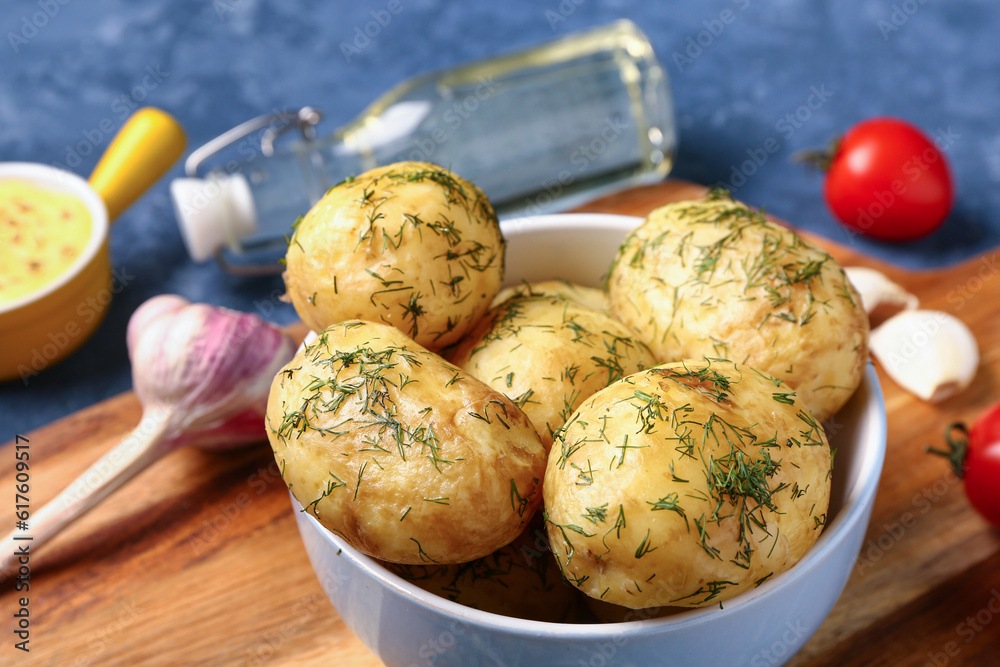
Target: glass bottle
x,y
540,130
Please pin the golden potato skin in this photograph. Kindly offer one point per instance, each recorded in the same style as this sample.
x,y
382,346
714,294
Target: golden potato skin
x,y
685,485
547,354
405,456
409,244
714,278
520,580
591,297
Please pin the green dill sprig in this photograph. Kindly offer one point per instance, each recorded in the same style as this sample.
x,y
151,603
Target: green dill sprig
x,y
518,503
620,523
706,380
421,553
786,397
331,485
596,515
736,481
645,546
570,549
585,477
670,502
710,590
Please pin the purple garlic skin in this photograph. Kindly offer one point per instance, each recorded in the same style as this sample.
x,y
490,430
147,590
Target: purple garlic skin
x,y
206,370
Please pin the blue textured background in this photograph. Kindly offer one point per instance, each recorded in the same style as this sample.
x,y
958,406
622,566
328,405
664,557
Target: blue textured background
x,y
217,64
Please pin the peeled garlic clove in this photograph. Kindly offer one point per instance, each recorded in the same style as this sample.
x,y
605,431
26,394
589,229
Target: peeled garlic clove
x,y
927,352
878,292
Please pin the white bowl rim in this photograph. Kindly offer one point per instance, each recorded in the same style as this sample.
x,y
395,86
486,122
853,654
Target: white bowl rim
x,y
60,180
856,500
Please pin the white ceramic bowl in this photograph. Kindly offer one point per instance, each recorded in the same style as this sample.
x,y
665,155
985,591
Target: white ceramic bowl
x,y
406,626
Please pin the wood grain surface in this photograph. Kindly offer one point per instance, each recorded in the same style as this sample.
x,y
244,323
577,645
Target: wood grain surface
x,y
198,560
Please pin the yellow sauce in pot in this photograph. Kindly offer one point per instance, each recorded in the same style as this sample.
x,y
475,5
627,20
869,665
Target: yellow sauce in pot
x,y
42,232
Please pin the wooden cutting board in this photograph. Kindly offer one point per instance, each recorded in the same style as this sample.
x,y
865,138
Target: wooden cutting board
x,y
198,560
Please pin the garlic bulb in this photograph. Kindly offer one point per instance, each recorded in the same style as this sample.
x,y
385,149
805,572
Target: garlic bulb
x,y
209,369
202,375
877,291
927,352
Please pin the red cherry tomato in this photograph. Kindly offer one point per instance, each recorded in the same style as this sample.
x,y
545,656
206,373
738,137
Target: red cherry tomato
x,y
886,179
975,455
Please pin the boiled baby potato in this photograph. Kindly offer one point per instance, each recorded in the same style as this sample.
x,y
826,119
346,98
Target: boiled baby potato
x,y
520,580
685,485
548,354
409,244
591,297
713,278
405,456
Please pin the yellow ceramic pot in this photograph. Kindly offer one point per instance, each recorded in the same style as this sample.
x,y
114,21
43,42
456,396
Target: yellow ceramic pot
x,y
46,325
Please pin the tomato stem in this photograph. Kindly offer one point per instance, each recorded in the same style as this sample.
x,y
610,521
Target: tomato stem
x,y
818,158
958,447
